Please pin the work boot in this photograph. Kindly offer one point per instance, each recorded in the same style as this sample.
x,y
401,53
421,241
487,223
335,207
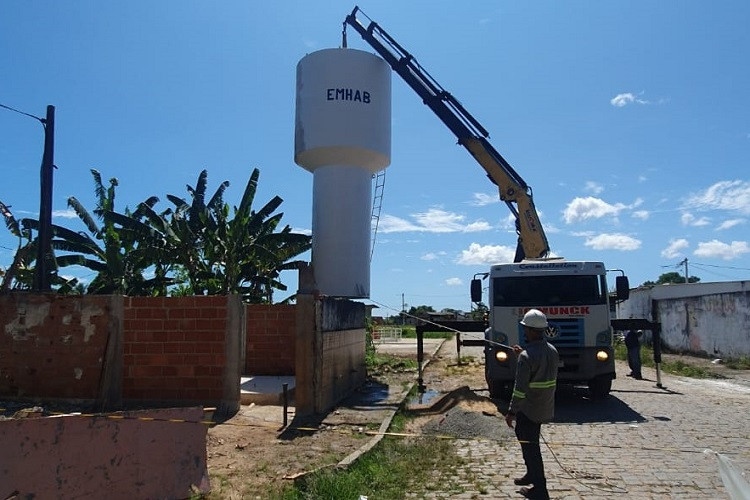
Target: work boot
x,y
522,481
534,493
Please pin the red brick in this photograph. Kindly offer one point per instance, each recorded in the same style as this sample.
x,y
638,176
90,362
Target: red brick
x,y
175,336
176,313
185,347
171,347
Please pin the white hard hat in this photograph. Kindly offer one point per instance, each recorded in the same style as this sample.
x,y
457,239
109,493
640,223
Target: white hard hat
x,y
534,318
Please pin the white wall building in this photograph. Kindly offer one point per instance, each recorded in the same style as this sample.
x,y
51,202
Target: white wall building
x,y
702,318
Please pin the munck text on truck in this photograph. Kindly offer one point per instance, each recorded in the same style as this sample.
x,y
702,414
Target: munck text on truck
x,y
572,294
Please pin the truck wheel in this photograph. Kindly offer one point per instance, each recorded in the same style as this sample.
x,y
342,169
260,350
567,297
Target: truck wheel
x,y
500,390
599,387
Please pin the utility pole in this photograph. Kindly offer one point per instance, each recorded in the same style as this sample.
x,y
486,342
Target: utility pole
x,y
685,262
44,240
403,310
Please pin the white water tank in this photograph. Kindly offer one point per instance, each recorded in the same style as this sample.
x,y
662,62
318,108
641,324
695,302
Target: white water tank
x,y
343,136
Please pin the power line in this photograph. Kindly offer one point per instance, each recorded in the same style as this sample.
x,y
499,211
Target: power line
x,y
41,120
722,267
712,272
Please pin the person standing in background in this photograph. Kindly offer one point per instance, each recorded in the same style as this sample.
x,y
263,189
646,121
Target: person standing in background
x,y
633,344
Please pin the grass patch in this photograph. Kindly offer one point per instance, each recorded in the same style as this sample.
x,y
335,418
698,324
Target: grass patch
x,y
742,363
410,332
394,467
674,367
390,363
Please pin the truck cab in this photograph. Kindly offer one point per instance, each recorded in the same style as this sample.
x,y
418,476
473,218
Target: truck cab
x,y
574,297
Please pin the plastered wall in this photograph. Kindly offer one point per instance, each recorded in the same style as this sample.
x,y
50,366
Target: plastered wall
x,y
703,318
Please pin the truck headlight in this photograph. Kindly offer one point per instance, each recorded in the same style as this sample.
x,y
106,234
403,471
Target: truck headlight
x,y
602,355
501,356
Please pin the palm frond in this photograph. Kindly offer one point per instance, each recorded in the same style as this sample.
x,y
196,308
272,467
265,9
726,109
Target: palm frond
x,y
249,195
83,214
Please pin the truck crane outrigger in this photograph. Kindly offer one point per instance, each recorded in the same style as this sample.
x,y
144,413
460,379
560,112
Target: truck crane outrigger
x,y
532,242
573,294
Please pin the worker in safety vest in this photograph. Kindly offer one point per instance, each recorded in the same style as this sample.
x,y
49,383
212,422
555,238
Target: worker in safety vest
x,y
533,401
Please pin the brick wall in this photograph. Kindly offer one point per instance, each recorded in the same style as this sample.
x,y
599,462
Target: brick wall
x,y
174,348
270,340
52,346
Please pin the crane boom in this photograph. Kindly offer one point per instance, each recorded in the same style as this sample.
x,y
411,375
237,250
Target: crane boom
x,y
532,242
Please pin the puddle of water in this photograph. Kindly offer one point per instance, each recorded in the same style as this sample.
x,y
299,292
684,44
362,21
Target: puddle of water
x,y
425,398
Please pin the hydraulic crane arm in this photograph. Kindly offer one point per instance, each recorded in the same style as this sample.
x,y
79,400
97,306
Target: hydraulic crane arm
x,y
514,191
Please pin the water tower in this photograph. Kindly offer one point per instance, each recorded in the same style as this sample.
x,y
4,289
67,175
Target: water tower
x,y
343,136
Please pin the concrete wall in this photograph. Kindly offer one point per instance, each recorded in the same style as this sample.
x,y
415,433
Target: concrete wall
x,y
100,457
270,339
703,318
330,362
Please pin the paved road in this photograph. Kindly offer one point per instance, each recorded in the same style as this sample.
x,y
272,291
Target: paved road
x,y
642,442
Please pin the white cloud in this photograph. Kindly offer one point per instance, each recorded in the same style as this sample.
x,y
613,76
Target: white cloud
x,y
621,100
308,232
593,187
641,214
454,282
433,221
720,250
642,178
724,195
674,249
689,219
590,208
65,214
392,224
482,199
478,254
730,223
432,256
613,241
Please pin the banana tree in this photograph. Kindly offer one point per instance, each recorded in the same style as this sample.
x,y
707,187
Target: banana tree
x,y
244,254
123,250
20,273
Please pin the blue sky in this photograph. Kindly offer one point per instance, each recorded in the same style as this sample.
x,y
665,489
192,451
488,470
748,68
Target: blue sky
x,y
629,120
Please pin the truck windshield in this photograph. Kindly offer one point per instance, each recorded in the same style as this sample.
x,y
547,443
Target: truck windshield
x,y
549,290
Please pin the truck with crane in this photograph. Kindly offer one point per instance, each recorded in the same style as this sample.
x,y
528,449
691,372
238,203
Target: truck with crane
x,y
573,294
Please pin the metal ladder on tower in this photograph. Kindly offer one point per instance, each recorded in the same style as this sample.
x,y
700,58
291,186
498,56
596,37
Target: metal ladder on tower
x,y
377,204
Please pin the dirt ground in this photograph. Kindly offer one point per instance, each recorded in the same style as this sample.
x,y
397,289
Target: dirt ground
x,y
253,456
250,457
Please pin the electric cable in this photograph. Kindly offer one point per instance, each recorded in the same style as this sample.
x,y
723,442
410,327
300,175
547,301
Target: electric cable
x,y
491,342
41,120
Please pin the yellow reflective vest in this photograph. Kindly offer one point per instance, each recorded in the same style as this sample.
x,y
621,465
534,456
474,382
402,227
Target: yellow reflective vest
x,y
536,380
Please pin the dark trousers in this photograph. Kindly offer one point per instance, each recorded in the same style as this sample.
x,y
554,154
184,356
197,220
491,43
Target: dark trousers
x,y
527,433
634,360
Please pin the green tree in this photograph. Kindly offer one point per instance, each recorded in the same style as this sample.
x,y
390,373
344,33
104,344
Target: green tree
x,y
480,311
20,273
671,278
243,254
420,311
123,249
194,249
